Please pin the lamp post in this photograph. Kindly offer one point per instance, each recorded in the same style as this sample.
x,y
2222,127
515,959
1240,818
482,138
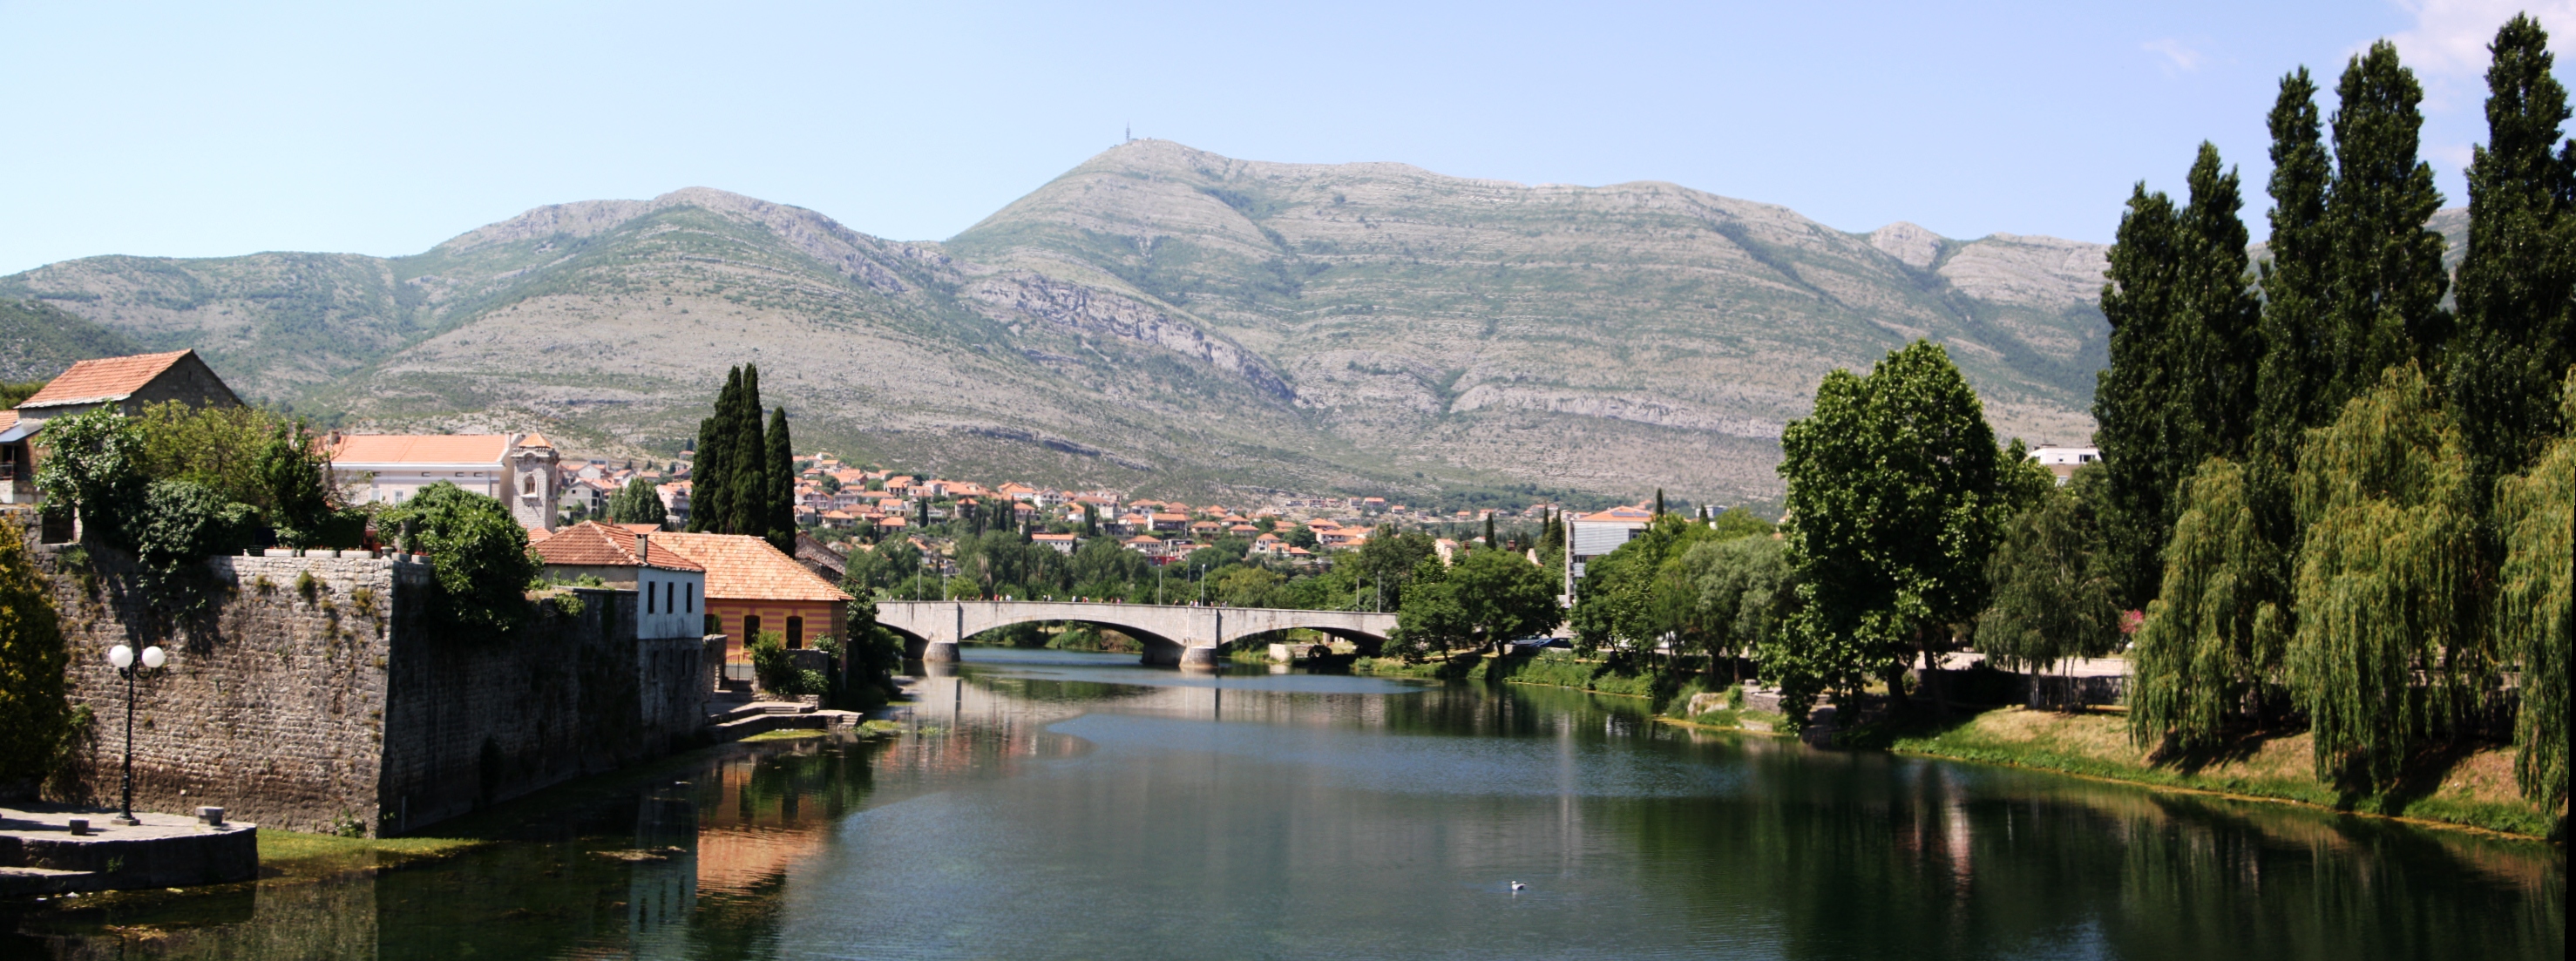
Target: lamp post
x,y
123,657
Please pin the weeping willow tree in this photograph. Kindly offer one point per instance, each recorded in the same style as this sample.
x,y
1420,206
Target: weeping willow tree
x,y
2213,647
2536,607
2388,642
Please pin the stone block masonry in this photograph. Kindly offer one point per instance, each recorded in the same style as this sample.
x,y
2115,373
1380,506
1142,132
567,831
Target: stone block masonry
x,y
318,694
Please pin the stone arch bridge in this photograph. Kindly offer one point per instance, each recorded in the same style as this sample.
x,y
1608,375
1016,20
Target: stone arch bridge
x,y
1172,635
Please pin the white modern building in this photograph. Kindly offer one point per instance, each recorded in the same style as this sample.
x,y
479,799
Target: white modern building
x,y
1591,535
2064,461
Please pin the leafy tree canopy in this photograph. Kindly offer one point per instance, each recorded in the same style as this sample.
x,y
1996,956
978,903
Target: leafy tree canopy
x,y
1895,504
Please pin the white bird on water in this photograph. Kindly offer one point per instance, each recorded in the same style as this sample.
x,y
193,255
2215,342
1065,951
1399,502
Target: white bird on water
x,y
1517,885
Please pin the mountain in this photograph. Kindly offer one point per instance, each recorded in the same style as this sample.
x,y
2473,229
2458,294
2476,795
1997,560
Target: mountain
x,y
1159,318
38,340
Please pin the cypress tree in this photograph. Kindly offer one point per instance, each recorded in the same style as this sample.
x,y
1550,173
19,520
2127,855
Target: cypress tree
x,y
2514,283
711,487
747,486
2184,353
2385,305
2297,367
1489,532
781,499
1659,502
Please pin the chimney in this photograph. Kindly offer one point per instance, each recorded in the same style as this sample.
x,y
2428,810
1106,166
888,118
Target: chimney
x,y
642,542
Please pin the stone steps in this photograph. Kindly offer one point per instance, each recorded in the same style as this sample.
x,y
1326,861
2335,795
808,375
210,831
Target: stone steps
x,y
748,723
24,882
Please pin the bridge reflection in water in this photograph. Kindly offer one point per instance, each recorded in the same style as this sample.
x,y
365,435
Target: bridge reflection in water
x,y
1187,636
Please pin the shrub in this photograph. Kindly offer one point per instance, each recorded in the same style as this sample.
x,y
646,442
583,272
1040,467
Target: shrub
x,y
35,719
770,663
182,524
481,556
93,466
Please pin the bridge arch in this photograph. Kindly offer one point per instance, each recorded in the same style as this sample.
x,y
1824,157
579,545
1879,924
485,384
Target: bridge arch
x,y
1172,635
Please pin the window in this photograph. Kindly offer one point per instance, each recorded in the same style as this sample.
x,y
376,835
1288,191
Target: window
x,y
750,628
795,631
528,485
691,594
649,590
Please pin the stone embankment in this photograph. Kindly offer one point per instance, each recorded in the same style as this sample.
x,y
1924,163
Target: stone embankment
x,y
320,693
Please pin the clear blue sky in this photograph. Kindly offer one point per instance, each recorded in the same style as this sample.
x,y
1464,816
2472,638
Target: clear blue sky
x,y
187,130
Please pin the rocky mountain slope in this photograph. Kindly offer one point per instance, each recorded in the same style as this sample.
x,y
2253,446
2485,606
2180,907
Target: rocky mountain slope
x,y
1159,318
38,340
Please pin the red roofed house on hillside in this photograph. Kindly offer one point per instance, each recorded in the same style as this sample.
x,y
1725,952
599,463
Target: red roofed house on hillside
x,y
131,383
752,587
670,589
520,470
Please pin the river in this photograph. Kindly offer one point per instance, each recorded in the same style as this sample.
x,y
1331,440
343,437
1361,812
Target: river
x,y
1053,805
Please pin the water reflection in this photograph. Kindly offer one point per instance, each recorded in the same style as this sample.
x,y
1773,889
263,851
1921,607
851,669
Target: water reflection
x,y
1050,805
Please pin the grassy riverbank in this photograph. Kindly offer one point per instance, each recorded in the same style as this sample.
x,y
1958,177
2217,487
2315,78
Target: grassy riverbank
x,y
2472,787
2467,787
1552,670
298,853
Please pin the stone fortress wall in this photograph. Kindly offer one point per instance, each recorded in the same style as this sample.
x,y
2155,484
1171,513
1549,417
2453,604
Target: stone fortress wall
x,y
315,693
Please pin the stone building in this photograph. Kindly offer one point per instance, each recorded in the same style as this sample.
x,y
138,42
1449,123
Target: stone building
x,y
753,587
521,470
671,589
131,383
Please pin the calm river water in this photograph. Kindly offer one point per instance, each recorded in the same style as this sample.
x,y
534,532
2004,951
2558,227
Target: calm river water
x,y
1054,805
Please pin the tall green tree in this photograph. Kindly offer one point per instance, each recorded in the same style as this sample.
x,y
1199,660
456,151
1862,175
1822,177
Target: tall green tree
x,y
1746,594
93,466
639,502
2535,617
2387,586
1633,596
34,715
710,474
1504,596
2053,595
748,483
2297,368
778,508
2213,649
2384,304
2184,354
1894,506
2515,280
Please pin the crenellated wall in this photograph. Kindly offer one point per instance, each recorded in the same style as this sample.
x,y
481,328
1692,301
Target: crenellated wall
x,y
317,692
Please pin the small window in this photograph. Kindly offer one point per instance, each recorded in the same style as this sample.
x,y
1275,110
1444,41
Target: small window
x,y
750,627
690,594
795,632
649,589
529,485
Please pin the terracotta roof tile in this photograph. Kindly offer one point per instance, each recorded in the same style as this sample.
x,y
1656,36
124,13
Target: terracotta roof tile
x,y
743,567
593,544
103,379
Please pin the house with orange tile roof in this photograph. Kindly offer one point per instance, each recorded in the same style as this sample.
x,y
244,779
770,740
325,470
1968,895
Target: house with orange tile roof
x,y
1063,543
131,383
520,470
670,588
752,587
